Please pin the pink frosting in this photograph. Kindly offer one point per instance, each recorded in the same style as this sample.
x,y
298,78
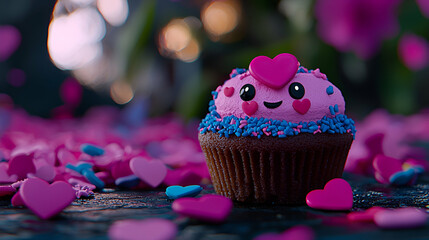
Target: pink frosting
x,y
315,87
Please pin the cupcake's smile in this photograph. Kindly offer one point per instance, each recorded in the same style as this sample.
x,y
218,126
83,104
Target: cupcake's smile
x,y
273,105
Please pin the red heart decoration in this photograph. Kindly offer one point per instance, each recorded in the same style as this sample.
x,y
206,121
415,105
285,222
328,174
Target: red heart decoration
x,y
274,73
210,207
301,106
337,195
228,91
249,108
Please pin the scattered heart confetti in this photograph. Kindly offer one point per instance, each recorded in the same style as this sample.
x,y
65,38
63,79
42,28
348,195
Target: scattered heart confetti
x,y
294,233
21,165
210,207
151,172
148,229
364,216
385,167
337,195
175,192
7,190
400,218
44,199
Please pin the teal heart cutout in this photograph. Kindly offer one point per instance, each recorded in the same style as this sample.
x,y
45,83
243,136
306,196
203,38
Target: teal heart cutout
x,y
175,192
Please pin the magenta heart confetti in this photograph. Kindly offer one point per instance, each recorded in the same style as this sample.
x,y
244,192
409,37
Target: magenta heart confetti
x,y
44,199
294,233
337,195
148,229
400,218
151,172
364,216
210,207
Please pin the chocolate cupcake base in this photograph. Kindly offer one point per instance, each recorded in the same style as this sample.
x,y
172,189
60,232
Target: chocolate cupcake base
x,y
271,169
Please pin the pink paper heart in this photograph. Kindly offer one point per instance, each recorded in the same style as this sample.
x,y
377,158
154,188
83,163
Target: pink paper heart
x,y
294,233
148,229
182,177
400,218
301,106
21,165
249,108
151,172
17,200
45,172
44,199
210,207
4,177
364,216
10,40
228,91
337,195
385,167
7,190
274,73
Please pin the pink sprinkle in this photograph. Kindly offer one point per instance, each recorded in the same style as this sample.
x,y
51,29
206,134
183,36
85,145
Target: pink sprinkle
x,y
318,74
265,131
317,131
244,75
233,121
254,134
299,126
305,69
280,133
349,130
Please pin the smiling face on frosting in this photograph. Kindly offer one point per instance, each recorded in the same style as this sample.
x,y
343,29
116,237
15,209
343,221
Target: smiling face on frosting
x,y
272,88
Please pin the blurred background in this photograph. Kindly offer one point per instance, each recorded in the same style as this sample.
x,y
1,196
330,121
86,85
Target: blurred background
x,y
60,58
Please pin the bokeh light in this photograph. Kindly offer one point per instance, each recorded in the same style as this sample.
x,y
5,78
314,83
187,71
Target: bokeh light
x,y
176,40
74,40
114,11
220,17
121,92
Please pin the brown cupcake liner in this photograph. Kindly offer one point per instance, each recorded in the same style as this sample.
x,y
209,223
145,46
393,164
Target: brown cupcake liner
x,y
274,170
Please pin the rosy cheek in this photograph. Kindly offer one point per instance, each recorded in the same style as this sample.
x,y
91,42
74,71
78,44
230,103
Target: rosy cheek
x,y
301,106
228,91
249,108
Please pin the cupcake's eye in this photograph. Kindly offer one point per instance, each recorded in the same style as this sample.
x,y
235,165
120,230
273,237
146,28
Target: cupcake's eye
x,y
296,90
247,92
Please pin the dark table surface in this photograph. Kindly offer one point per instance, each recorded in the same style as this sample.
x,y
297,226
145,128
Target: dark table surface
x,y
91,218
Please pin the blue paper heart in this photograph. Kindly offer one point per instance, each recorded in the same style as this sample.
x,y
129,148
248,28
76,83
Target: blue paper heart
x,y
91,150
175,192
403,178
128,181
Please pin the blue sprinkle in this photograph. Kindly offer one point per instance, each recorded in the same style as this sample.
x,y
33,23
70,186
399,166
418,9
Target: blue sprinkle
x,y
214,93
330,90
336,110
331,109
92,178
91,150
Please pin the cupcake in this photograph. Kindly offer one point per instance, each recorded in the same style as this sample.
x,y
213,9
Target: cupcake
x,y
275,132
